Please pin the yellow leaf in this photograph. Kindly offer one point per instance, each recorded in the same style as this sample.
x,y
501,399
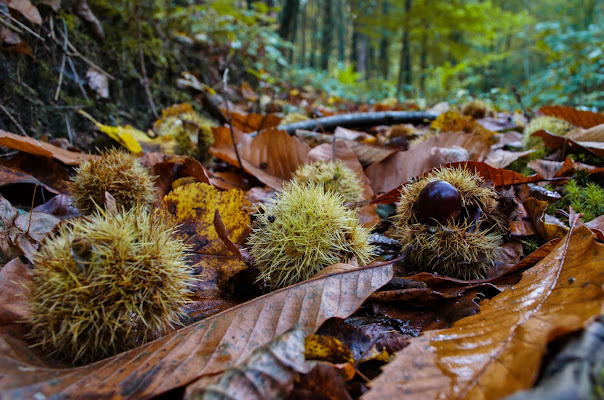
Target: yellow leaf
x,y
326,348
193,207
124,135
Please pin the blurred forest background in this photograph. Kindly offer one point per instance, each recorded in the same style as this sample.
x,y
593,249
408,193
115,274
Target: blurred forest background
x,y
416,52
443,49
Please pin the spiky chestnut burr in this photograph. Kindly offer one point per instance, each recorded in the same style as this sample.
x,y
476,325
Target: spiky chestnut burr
x,y
334,176
476,109
117,172
451,218
303,230
107,283
192,131
553,125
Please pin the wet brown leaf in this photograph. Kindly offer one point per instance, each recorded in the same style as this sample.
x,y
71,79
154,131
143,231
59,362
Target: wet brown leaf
x,y
10,177
205,348
169,168
13,302
583,119
597,226
593,134
52,173
499,350
323,382
502,158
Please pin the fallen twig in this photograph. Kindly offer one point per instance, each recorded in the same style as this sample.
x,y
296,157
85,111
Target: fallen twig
x,y
65,41
145,80
230,121
13,120
22,26
360,120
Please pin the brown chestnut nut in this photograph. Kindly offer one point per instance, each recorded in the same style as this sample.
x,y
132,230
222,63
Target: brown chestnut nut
x,y
438,201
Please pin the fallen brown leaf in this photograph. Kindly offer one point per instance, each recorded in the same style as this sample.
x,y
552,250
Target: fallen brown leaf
x,y
401,166
252,122
33,146
583,119
272,156
548,226
205,348
499,350
269,373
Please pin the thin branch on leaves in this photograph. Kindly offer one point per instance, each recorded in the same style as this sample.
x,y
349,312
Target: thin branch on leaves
x,y
230,121
360,120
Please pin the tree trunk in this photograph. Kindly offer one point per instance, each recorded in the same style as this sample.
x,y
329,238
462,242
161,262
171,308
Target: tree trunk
x,y
423,62
341,31
370,60
362,53
326,34
404,72
354,48
384,62
313,37
287,19
302,56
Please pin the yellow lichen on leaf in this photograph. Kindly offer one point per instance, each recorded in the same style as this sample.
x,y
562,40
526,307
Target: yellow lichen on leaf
x,y
193,207
327,348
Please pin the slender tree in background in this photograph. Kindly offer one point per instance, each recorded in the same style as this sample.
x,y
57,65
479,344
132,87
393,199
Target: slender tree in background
x,y
302,57
287,22
404,72
314,33
384,60
433,47
326,34
340,14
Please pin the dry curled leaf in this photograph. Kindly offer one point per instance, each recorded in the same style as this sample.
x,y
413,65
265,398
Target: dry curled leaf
x,y
499,350
549,227
206,348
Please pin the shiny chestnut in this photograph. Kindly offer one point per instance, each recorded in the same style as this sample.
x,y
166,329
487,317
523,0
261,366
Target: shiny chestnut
x,y
438,201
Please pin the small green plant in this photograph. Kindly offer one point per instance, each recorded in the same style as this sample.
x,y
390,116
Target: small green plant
x,y
588,199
